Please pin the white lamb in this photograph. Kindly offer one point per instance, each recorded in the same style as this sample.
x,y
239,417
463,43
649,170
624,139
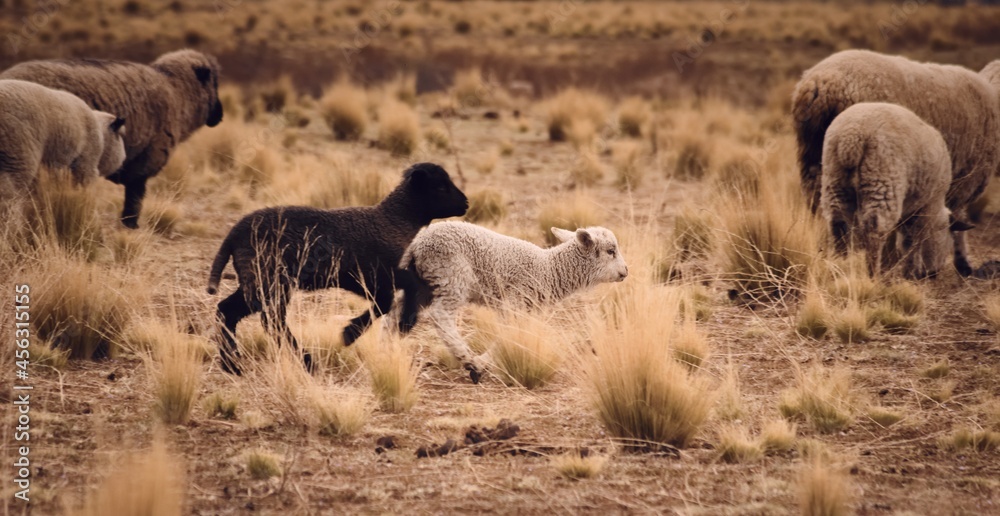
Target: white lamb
x,y
886,169
457,263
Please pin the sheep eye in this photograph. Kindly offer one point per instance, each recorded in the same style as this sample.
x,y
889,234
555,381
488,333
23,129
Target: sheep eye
x,y
611,252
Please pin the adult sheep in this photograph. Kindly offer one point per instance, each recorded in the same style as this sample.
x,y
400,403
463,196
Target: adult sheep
x,y
456,263
357,249
41,126
886,169
964,106
164,102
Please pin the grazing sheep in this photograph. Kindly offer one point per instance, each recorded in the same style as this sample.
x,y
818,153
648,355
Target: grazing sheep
x,y
164,103
456,263
886,169
48,127
963,105
356,249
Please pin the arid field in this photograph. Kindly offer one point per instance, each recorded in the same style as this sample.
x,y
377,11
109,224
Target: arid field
x,y
741,368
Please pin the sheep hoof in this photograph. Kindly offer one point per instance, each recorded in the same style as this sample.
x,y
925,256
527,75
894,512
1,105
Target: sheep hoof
x,y
307,359
131,222
229,365
474,373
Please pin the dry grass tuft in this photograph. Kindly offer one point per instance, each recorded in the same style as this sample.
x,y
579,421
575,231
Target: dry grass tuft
x,y
64,214
633,115
693,159
905,297
884,417
852,324
150,483
343,108
626,157
778,436
80,307
730,395
573,107
690,347
579,466
487,205
692,236
527,351
393,371
823,491
162,215
176,374
340,413
968,439
813,317
824,398
991,311
891,320
126,246
262,465
642,395
577,210
938,370
221,405
399,128
587,169
735,446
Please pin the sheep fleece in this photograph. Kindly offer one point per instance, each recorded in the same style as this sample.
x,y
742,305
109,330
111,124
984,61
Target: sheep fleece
x,y
41,126
883,165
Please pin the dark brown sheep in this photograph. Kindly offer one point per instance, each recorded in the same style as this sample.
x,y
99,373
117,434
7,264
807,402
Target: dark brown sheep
x,y
357,249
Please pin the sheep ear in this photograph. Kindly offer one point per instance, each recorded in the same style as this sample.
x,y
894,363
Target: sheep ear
x,y
585,238
203,73
117,124
561,234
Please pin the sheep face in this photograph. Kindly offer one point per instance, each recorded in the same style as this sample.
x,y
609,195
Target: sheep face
x,y
992,73
198,70
430,184
112,131
599,245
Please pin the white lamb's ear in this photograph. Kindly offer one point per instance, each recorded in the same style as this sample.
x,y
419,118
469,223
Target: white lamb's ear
x,y
562,235
585,238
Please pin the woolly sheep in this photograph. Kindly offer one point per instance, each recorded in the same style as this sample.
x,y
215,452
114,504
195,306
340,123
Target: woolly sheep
x,y
41,126
963,105
886,169
164,103
356,249
456,263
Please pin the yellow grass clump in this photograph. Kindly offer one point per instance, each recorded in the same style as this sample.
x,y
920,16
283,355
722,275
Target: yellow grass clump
x,y
824,398
729,406
778,436
343,107
162,215
333,181
176,375
64,214
633,114
586,170
690,346
968,439
573,107
262,464
626,157
393,370
884,417
340,413
527,351
577,210
991,311
399,128
578,465
852,324
735,446
823,491
221,405
148,483
486,205
939,370
813,319
642,395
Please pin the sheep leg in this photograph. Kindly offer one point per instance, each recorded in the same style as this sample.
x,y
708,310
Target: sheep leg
x,y
230,312
382,303
443,316
841,235
962,264
135,191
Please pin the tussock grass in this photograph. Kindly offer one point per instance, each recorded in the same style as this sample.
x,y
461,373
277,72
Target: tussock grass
x,y
587,169
162,215
944,391
626,157
393,370
778,436
221,405
487,161
339,413
968,439
738,176
991,311
64,214
891,320
527,351
176,375
693,159
938,370
905,297
343,108
852,324
262,464
277,94
573,107
333,181
823,491
884,417
692,236
399,128
813,318
735,446
45,355
126,246
771,240
696,302
690,347
642,395
147,483
579,466
81,307
633,115
576,210
260,168
823,397
486,205
729,406
437,136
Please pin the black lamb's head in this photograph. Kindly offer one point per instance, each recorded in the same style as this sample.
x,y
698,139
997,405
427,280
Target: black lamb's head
x,y
432,187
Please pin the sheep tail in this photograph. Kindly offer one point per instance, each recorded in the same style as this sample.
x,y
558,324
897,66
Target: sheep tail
x,y
221,259
813,112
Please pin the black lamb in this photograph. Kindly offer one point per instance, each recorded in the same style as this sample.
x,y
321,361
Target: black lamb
x,y
357,249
